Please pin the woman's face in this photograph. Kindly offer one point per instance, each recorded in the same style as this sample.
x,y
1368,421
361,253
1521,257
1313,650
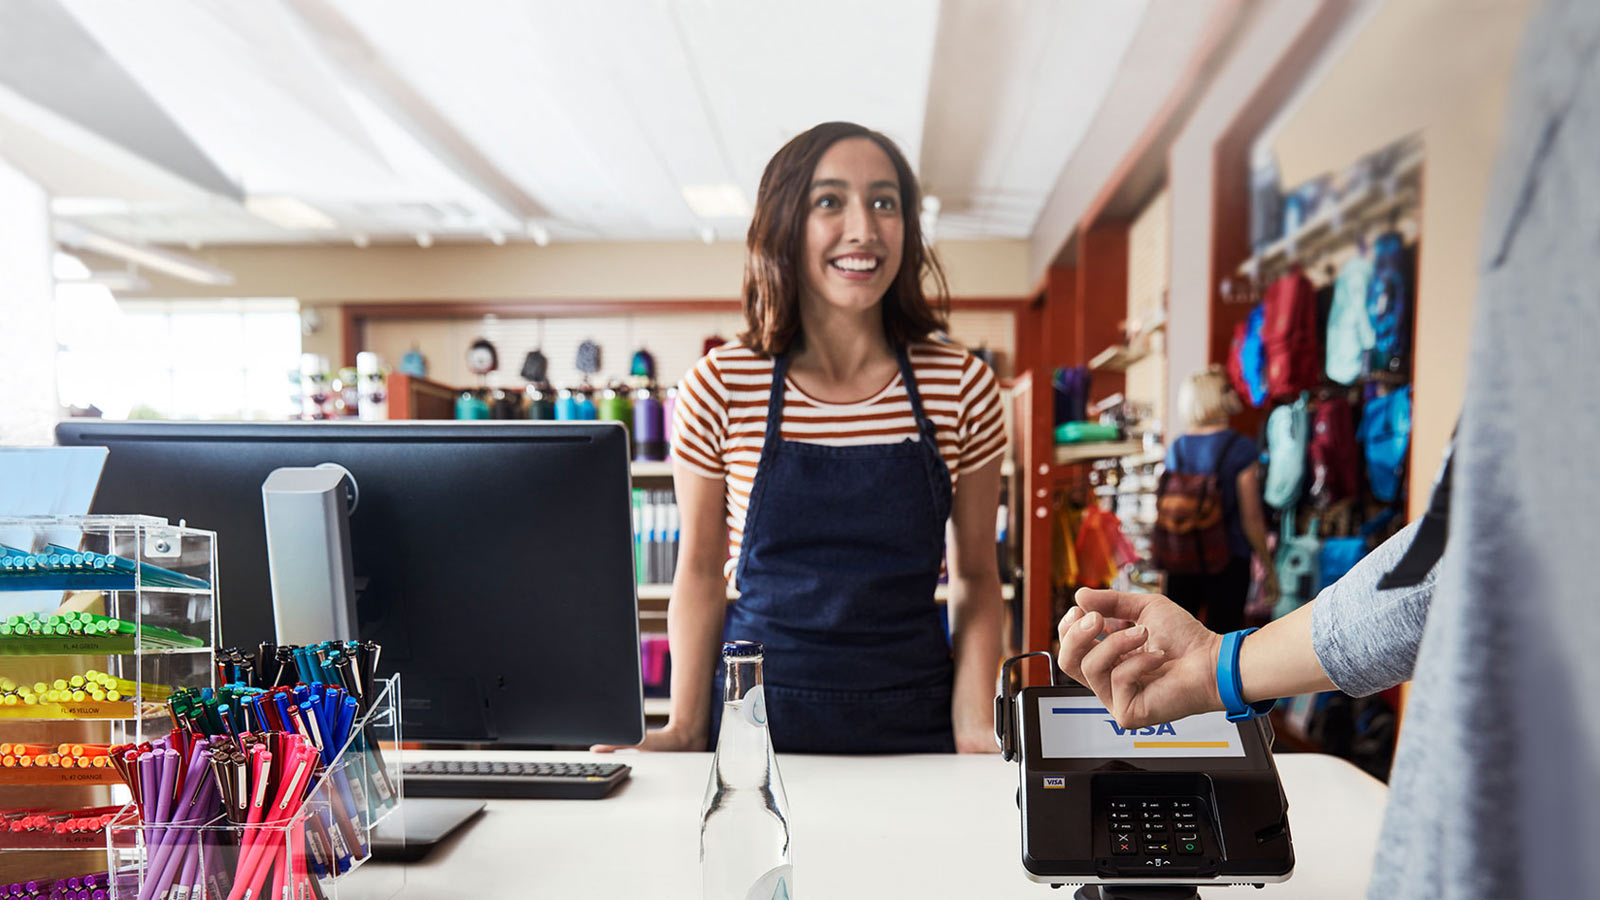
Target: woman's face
x,y
855,229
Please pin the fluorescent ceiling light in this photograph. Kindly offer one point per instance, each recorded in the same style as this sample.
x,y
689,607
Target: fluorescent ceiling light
x,y
539,233
716,201
90,206
170,262
290,212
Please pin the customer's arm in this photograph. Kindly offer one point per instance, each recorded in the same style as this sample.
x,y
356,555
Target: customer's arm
x,y
1253,518
696,611
1163,665
975,614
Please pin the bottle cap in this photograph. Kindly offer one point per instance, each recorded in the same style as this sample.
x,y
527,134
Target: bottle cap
x,y
741,649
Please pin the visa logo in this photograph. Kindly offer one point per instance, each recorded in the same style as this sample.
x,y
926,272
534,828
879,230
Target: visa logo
x,y
1054,781
1163,728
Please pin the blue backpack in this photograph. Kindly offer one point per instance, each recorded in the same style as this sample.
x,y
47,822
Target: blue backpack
x,y
1288,439
1350,336
1253,358
1389,303
1385,436
1298,562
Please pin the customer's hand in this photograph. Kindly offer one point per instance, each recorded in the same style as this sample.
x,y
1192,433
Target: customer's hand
x,y
1157,665
668,739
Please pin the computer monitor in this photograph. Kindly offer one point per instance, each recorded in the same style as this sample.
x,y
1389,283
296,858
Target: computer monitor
x,y
493,561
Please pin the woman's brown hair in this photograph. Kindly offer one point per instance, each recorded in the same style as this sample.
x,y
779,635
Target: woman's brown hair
x,y
777,239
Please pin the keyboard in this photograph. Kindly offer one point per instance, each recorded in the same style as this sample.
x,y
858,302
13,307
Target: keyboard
x,y
485,779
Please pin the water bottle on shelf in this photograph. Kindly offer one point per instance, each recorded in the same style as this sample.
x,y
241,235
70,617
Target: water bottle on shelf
x,y
744,824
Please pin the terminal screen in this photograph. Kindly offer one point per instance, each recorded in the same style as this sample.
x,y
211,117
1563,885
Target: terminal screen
x,y
1080,728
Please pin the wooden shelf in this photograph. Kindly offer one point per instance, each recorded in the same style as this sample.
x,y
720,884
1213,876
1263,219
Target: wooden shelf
x,y
1067,454
1117,358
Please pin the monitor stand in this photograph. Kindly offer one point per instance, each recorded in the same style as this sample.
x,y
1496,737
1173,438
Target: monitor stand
x,y
424,823
1136,892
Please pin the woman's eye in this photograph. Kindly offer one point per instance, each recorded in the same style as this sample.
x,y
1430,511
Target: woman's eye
x,y
886,204
827,201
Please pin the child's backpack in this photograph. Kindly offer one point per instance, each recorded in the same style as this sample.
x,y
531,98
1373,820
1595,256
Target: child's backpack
x,y
1189,537
1289,335
1385,436
1350,334
1334,455
1288,437
1389,303
1299,566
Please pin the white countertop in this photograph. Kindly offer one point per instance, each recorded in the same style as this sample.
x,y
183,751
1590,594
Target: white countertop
x,y
862,826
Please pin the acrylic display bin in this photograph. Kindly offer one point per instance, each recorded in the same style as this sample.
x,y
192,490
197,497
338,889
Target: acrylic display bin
x,y
302,856
134,605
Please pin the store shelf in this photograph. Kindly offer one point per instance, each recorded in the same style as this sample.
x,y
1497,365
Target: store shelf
x,y
56,776
1067,454
47,840
120,711
70,645
1117,358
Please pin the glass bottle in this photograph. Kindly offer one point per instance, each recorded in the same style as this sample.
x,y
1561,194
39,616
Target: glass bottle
x,y
744,824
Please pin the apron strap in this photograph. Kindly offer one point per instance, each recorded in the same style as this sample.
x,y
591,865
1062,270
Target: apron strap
x,y
780,368
908,377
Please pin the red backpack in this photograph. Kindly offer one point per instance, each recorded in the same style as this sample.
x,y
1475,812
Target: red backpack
x,y
1334,455
1289,335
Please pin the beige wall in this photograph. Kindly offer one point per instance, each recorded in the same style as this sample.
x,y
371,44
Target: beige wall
x,y
1149,238
325,277
1440,68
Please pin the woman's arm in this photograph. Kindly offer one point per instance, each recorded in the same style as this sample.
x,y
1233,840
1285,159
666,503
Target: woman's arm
x,y
1254,519
696,611
975,616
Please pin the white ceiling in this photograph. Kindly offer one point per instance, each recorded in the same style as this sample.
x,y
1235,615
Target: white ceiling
x,y
478,120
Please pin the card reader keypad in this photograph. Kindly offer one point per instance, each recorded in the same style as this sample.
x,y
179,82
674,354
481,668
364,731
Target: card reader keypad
x,y
1154,833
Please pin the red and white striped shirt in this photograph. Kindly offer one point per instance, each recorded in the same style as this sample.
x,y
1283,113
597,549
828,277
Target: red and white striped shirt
x,y
720,422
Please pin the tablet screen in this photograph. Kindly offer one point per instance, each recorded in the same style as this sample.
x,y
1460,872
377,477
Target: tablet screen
x,y
1080,728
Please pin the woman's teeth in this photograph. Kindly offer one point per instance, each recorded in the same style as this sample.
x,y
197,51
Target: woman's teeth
x,y
856,265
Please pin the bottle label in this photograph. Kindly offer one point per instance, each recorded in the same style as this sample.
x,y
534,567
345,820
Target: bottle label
x,y
778,884
754,709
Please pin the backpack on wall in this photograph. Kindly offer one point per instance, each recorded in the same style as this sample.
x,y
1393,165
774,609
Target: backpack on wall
x,y
1385,436
1299,566
1334,455
1250,361
1189,537
1235,364
1288,438
1350,336
1289,335
1389,303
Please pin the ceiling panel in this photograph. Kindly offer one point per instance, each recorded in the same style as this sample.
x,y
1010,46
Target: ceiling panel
x,y
397,117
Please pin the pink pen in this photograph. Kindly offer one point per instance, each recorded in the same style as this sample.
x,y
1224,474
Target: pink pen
x,y
258,860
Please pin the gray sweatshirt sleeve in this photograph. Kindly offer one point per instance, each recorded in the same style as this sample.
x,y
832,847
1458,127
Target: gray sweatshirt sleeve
x,y
1366,639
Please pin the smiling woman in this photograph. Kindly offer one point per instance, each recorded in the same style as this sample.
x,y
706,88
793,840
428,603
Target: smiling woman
x,y
821,464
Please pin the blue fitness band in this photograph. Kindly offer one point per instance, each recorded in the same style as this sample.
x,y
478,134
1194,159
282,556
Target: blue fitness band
x,y
1230,687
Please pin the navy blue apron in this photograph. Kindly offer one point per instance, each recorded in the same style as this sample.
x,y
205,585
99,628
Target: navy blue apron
x,y
837,568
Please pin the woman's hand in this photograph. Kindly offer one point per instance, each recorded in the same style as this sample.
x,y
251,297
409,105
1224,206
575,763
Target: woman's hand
x,y
1267,594
976,739
668,739
1156,665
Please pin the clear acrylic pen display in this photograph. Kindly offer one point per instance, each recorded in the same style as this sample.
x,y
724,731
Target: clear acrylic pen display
x,y
295,850
101,618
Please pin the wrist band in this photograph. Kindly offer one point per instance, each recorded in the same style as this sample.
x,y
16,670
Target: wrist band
x,y
1230,687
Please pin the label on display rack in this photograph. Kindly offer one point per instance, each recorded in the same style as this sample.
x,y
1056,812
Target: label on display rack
x,y
777,884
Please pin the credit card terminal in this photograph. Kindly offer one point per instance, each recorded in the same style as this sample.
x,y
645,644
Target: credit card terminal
x,y
1141,812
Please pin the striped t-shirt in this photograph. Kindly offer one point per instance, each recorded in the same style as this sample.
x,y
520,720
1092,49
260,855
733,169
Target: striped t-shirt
x,y
720,422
